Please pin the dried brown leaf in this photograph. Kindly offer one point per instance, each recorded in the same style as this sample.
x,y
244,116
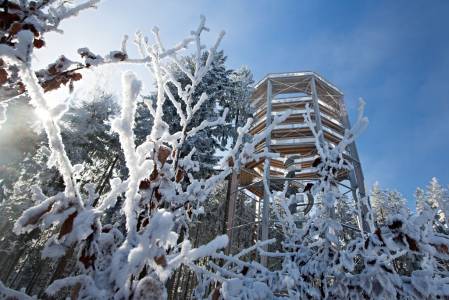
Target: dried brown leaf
x,y
230,161
216,293
85,259
145,222
120,56
32,5
316,162
71,88
179,175
395,225
3,76
21,86
189,212
38,43
50,85
76,76
366,243
162,155
13,17
33,220
412,244
12,5
32,29
15,28
154,174
161,261
53,70
157,195
144,184
67,226
308,187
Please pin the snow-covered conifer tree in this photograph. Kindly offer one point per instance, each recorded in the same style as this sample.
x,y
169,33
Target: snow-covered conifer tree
x,y
226,90
434,192
435,196
378,198
386,203
238,101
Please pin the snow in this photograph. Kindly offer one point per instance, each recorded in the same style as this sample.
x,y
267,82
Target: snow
x,y
14,294
139,265
233,287
124,127
2,113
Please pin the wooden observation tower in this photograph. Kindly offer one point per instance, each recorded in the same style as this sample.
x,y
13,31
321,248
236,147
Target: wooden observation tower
x,y
294,141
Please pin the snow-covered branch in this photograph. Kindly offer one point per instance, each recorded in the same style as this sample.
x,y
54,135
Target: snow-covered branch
x,y
156,206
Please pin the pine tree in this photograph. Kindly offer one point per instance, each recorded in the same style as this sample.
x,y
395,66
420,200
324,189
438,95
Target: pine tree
x,y
87,140
225,89
386,203
378,198
419,193
216,84
19,142
435,197
238,102
434,193
85,129
396,204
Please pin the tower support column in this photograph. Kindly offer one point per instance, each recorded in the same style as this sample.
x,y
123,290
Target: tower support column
x,y
266,197
319,126
356,176
233,185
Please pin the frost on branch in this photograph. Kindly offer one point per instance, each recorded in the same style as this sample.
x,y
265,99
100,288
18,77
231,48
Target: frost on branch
x,y
23,30
315,267
156,206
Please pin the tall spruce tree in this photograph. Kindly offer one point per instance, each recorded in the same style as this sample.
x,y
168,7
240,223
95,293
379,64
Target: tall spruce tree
x,y
435,197
385,202
87,140
19,142
430,197
225,89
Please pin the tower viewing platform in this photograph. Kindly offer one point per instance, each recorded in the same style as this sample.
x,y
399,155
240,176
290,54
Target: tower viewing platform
x,y
294,141
274,95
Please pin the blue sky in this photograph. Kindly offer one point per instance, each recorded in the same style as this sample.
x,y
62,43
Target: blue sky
x,y
394,54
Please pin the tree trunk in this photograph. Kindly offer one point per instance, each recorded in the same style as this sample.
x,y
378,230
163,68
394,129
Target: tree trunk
x,y
169,285
62,263
75,291
4,228
100,190
26,260
224,228
18,254
182,284
104,175
175,291
186,293
69,254
33,279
